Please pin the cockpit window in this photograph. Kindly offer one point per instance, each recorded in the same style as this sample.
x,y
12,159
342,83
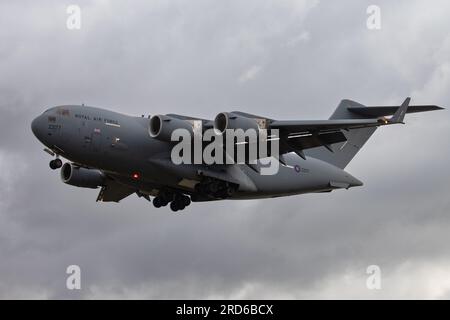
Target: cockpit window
x,y
63,112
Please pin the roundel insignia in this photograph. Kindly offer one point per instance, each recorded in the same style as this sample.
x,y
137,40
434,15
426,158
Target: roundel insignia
x,y
297,168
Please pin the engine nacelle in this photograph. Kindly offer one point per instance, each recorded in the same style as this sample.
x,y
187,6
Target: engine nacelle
x,y
81,177
230,120
161,127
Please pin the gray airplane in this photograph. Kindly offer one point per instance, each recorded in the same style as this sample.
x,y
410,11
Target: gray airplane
x,y
124,154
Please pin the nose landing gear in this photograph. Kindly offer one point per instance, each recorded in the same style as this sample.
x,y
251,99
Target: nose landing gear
x,y
55,164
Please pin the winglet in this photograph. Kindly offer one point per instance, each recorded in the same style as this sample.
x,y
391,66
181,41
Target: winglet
x,y
399,115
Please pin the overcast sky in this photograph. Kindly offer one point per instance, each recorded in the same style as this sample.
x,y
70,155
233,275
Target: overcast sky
x,y
286,59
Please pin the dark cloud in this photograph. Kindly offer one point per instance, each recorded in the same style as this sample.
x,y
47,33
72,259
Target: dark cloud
x,y
284,59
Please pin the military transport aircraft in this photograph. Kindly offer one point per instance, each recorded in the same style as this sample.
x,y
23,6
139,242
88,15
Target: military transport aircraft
x,y
124,154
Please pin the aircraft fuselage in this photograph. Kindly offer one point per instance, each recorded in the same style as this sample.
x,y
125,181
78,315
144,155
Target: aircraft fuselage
x,y
120,145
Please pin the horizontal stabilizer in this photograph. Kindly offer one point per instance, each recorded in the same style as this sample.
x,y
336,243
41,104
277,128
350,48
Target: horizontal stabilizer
x,y
378,111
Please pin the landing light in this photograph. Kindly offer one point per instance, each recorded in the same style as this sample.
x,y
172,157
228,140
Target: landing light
x,y
383,120
135,176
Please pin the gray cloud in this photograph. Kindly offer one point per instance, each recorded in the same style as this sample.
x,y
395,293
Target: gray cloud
x,y
190,58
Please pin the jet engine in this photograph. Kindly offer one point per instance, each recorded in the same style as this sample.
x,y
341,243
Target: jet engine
x,y
230,120
161,127
81,177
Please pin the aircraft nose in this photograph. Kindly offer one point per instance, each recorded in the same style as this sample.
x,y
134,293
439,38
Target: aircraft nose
x,y
37,126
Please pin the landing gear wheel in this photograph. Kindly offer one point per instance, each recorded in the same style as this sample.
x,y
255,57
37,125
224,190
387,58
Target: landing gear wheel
x,y
180,202
187,201
58,162
214,187
181,205
55,164
174,206
157,202
52,165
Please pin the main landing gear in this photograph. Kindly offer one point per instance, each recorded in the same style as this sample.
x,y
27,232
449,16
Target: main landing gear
x,y
55,164
177,201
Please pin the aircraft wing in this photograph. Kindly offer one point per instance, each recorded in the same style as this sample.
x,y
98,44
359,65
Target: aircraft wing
x,y
325,125
113,191
183,117
340,124
296,136
205,122
377,112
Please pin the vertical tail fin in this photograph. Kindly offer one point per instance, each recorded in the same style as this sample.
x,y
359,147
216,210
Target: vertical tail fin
x,y
344,152
399,115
